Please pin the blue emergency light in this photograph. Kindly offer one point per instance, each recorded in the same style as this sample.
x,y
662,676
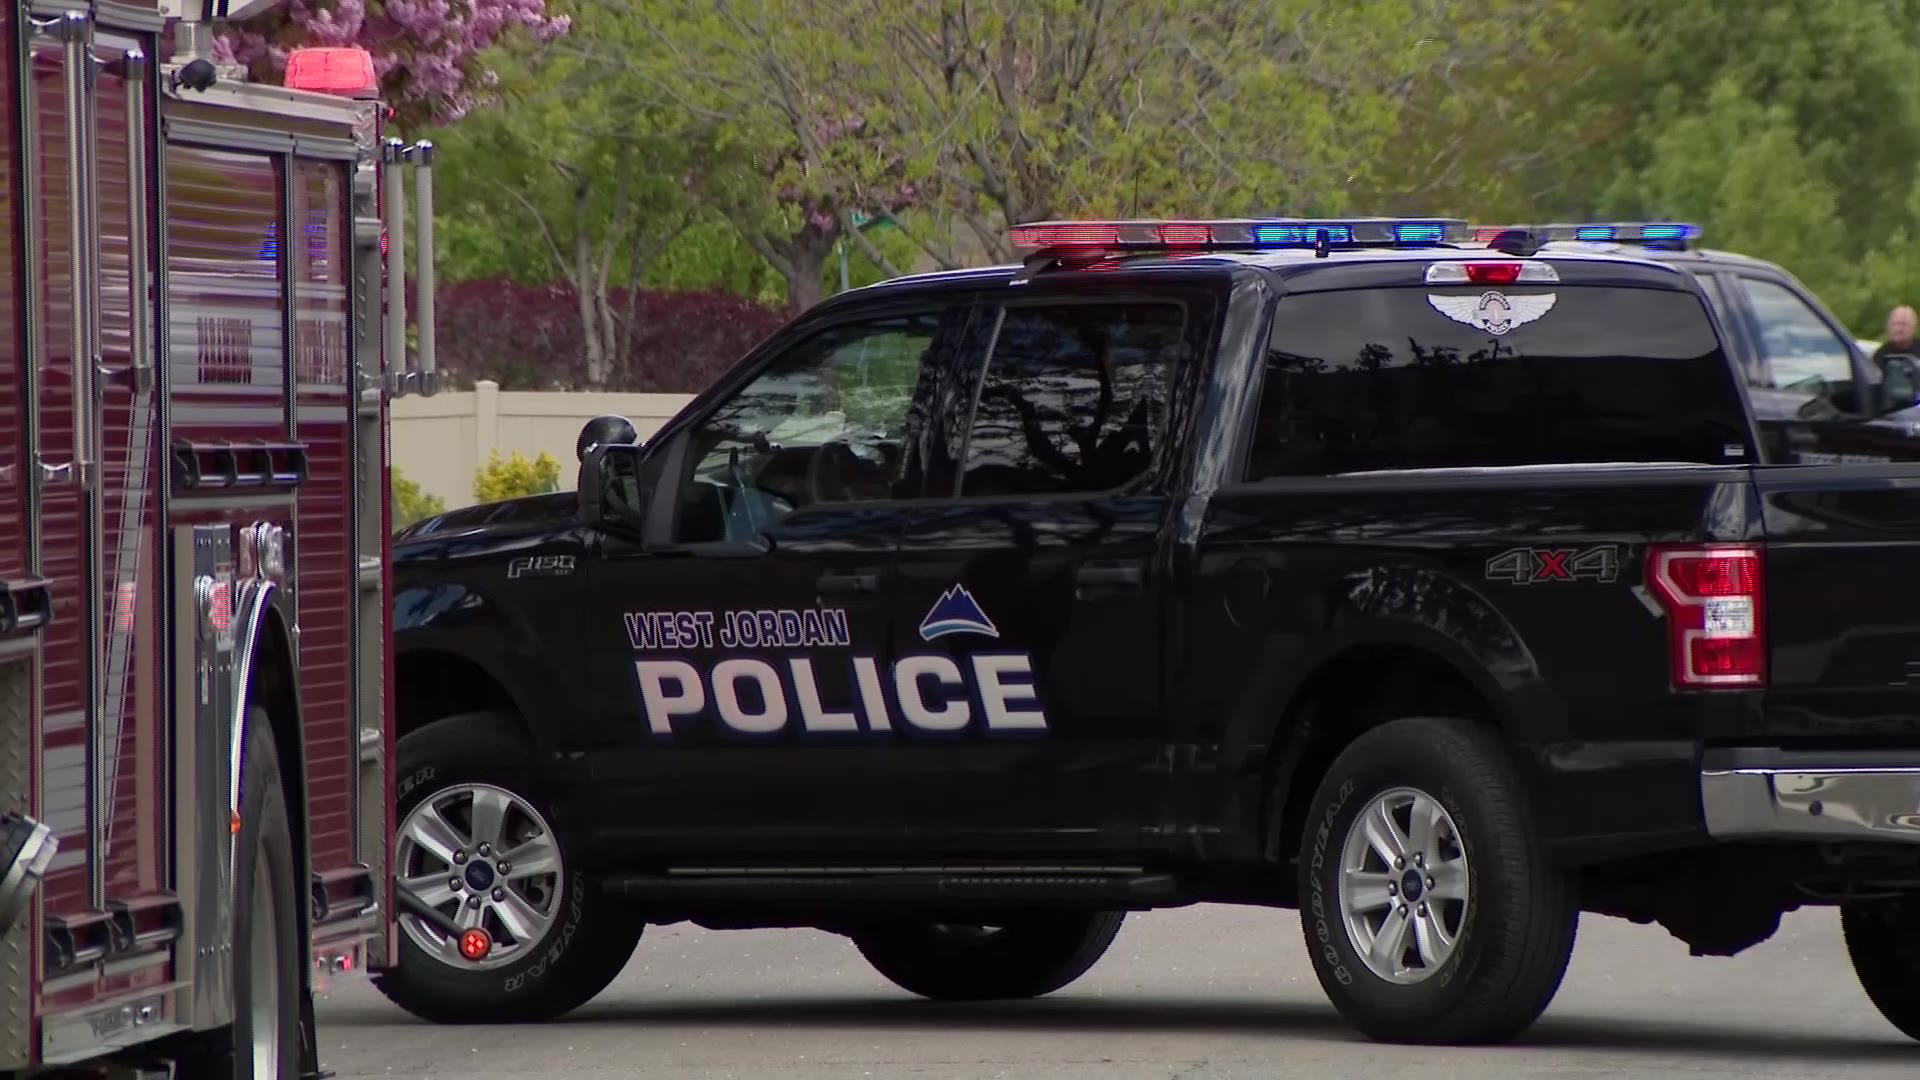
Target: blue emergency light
x,y
1663,235
1239,234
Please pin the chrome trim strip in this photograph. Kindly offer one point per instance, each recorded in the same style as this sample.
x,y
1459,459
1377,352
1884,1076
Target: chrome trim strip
x,y
191,504
246,633
128,17
250,415
311,146
423,265
394,209
269,100
226,136
1840,803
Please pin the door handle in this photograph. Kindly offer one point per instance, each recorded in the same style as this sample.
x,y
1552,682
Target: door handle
x,y
846,583
1112,576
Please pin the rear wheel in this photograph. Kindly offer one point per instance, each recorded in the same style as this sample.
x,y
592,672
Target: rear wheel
x,y
1026,957
1431,912
1883,940
532,938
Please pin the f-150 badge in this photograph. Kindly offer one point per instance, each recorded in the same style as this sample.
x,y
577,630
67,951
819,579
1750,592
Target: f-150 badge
x,y
1494,312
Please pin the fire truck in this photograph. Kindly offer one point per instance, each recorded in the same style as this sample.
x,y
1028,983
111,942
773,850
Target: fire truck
x,y
205,327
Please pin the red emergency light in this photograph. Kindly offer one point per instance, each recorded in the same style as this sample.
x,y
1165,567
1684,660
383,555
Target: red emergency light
x,y
342,70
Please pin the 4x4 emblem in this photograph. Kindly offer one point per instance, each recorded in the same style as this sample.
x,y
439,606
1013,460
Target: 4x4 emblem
x,y
1494,312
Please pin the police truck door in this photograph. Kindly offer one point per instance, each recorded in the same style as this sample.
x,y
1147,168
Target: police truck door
x,y
753,626
1030,598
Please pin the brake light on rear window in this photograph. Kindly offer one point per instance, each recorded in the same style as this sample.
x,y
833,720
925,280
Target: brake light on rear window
x,y
1714,597
1491,272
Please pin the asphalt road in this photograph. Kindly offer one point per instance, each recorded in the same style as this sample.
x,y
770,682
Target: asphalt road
x,y
1201,992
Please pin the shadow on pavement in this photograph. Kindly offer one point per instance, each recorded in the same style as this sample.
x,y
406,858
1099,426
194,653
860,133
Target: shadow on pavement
x,y
1135,1016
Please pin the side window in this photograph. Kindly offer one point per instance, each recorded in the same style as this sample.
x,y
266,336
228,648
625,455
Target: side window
x,y
1073,399
1364,380
1798,349
827,422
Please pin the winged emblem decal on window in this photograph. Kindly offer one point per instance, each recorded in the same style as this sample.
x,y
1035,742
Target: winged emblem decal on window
x,y
1494,312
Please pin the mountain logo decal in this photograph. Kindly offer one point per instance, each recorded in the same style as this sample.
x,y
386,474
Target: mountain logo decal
x,y
956,613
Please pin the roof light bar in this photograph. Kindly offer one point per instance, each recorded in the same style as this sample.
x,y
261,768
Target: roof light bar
x,y
1661,234
1239,234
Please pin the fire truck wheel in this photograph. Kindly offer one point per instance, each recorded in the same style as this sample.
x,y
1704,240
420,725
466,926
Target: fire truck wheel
x,y
476,843
264,1041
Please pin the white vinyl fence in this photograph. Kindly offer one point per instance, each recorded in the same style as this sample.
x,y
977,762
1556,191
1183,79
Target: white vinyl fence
x,y
440,442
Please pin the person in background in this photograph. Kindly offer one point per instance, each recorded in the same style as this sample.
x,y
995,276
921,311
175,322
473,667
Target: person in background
x,y
1900,327
1897,382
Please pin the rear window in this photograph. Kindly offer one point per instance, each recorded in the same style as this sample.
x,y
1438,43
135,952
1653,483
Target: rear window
x,y
1418,378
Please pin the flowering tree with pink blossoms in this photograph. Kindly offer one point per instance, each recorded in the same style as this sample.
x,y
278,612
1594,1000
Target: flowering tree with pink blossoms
x,y
426,52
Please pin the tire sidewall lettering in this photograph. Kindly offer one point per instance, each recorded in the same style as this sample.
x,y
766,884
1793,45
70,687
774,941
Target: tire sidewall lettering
x,y
1317,904
1451,969
419,776
561,938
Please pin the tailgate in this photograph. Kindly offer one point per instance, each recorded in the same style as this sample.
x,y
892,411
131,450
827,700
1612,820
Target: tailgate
x,y
1842,605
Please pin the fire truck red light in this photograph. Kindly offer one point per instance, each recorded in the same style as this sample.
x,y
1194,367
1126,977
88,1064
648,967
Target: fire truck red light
x,y
336,70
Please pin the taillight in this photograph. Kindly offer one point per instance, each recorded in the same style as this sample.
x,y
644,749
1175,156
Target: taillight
x,y
1714,596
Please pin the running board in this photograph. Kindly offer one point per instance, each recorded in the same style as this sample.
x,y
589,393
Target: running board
x,y
938,888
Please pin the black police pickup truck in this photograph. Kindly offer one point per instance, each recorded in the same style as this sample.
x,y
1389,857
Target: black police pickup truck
x,y
1442,585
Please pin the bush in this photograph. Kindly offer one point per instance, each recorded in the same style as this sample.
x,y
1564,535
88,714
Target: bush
x,y
410,504
527,337
515,477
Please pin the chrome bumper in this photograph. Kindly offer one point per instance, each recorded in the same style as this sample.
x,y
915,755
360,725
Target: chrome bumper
x,y
1775,795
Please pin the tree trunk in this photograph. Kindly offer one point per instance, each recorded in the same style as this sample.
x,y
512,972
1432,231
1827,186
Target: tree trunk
x,y
807,255
803,284
584,282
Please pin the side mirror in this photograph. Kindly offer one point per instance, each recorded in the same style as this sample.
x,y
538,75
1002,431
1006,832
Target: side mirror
x,y
608,430
1902,385
611,492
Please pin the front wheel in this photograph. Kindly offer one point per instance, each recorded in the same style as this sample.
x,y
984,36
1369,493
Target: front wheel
x,y
1431,912
263,1042
1028,956
530,937
1883,941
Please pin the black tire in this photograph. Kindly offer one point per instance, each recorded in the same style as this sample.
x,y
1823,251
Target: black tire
x,y
1515,936
1027,957
266,838
1883,941
581,953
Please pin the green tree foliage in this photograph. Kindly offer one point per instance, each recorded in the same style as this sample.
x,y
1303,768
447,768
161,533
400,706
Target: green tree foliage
x,y
736,143
410,504
515,477
1000,111
1789,128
